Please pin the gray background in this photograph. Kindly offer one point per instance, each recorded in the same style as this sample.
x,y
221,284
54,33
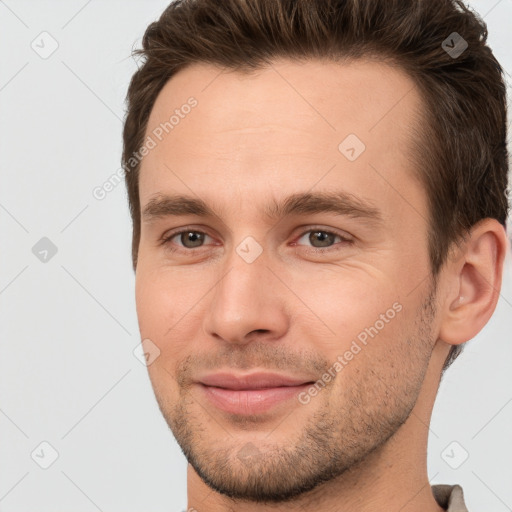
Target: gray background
x,y
68,374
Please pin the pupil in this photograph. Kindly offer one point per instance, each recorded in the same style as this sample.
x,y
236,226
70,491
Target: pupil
x,y
322,236
193,237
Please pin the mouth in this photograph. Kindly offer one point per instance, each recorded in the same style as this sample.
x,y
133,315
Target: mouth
x,y
251,394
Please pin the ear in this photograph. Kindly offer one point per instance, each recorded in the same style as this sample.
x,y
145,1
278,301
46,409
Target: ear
x,y
474,282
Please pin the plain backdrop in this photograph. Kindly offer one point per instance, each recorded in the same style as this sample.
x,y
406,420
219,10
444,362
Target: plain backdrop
x,y
73,395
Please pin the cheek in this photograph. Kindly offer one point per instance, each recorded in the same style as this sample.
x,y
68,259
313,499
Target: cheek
x,y
381,368
156,312
167,313
349,302
146,291
163,298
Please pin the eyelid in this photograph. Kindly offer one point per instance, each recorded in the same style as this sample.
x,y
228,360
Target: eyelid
x,y
342,234
167,236
345,237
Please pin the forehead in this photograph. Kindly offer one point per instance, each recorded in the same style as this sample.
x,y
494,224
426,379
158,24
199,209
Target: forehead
x,y
283,126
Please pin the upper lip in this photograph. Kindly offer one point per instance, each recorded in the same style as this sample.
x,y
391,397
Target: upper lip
x,y
258,380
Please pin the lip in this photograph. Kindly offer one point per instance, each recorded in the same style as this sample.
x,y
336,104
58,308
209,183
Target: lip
x,y
251,394
251,381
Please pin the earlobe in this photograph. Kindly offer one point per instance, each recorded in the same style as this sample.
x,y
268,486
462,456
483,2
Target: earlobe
x,y
475,283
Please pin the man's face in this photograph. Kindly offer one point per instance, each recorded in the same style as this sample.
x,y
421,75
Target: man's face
x,y
291,294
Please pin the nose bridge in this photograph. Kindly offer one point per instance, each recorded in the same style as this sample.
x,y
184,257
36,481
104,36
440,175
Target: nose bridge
x,y
244,298
245,269
244,282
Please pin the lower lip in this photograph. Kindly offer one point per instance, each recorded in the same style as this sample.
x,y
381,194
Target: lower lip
x,y
254,401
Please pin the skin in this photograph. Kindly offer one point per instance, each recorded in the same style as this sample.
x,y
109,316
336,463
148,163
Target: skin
x,y
360,444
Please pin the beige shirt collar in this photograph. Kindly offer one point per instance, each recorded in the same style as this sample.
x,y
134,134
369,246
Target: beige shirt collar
x,y
450,497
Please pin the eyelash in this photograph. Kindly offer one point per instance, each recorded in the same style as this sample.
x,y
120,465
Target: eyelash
x,y
166,240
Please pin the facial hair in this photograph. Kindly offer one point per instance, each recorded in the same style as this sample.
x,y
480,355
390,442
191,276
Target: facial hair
x,y
368,408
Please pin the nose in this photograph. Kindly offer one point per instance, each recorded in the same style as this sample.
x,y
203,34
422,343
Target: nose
x,y
248,302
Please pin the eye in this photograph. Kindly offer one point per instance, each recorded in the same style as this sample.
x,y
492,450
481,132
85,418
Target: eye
x,y
322,239
189,238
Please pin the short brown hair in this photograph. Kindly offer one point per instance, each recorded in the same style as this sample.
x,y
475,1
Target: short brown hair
x,y
464,165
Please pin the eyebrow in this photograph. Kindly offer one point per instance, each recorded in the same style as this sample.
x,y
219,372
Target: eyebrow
x,y
339,203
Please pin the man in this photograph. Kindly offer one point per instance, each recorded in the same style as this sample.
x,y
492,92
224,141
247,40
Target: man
x,y
318,196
